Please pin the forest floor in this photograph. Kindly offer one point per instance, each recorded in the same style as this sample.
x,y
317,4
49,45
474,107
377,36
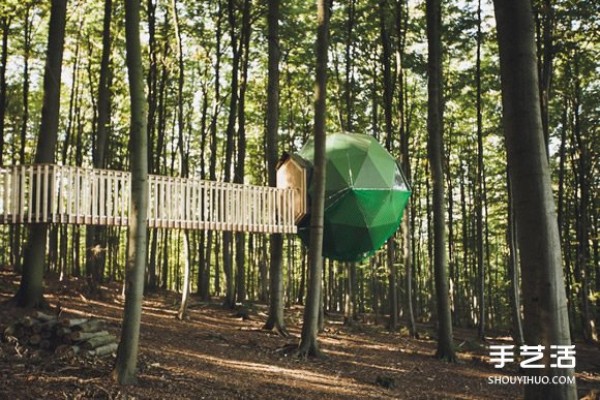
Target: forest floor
x,y
215,355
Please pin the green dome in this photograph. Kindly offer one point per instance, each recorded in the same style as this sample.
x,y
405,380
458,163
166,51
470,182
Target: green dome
x,y
365,196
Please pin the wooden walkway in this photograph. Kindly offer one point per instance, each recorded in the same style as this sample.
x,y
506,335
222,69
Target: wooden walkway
x,y
75,195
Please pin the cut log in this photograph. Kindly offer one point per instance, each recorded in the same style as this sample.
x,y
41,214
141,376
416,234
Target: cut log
x,y
103,350
79,336
43,316
28,322
67,337
66,351
98,341
70,322
44,326
62,331
14,330
92,325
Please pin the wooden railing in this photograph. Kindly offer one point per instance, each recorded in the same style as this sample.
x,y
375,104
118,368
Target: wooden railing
x,y
74,195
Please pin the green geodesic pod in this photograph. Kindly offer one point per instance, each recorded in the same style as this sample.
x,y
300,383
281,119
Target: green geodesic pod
x,y
365,196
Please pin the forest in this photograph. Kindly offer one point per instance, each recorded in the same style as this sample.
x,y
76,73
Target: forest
x,y
497,135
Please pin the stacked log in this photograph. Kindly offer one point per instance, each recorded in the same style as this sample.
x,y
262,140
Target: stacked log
x,y
66,337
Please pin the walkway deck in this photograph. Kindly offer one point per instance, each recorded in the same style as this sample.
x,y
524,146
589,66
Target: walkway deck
x,y
75,195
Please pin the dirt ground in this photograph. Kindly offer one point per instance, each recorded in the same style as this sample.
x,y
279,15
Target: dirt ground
x,y
215,355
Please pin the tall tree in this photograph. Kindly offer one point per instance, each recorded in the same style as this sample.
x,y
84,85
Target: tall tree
x,y
27,38
5,22
125,365
240,170
183,155
310,324
582,269
229,147
544,17
388,91
349,70
401,24
275,320
544,300
95,237
479,192
30,293
204,287
514,294
435,128
152,83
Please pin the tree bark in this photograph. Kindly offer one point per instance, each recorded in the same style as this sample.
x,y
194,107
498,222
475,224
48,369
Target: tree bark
x,y
125,366
240,237
545,47
310,325
30,293
96,235
5,23
387,108
445,347
276,318
582,219
350,309
544,300
479,190
349,71
513,271
229,145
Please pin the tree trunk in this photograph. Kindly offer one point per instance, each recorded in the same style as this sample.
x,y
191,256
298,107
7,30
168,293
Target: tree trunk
x,y
125,366
349,72
513,271
276,317
310,325
263,289
302,284
27,37
152,83
582,218
544,301
96,235
212,162
30,293
545,57
5,23
185,290
240,237
393,294
347,289
183,156
14,230
445,348
479,189
233,108
387,108
275,320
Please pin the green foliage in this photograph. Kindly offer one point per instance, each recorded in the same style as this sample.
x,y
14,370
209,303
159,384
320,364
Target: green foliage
x,y
574,90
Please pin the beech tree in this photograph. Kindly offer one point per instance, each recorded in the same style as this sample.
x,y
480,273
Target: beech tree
x,y
95,236
544,298
125,365
435,110
310,323
275,320
30,293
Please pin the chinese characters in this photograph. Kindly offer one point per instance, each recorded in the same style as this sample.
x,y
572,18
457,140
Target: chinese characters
x,y
561,356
